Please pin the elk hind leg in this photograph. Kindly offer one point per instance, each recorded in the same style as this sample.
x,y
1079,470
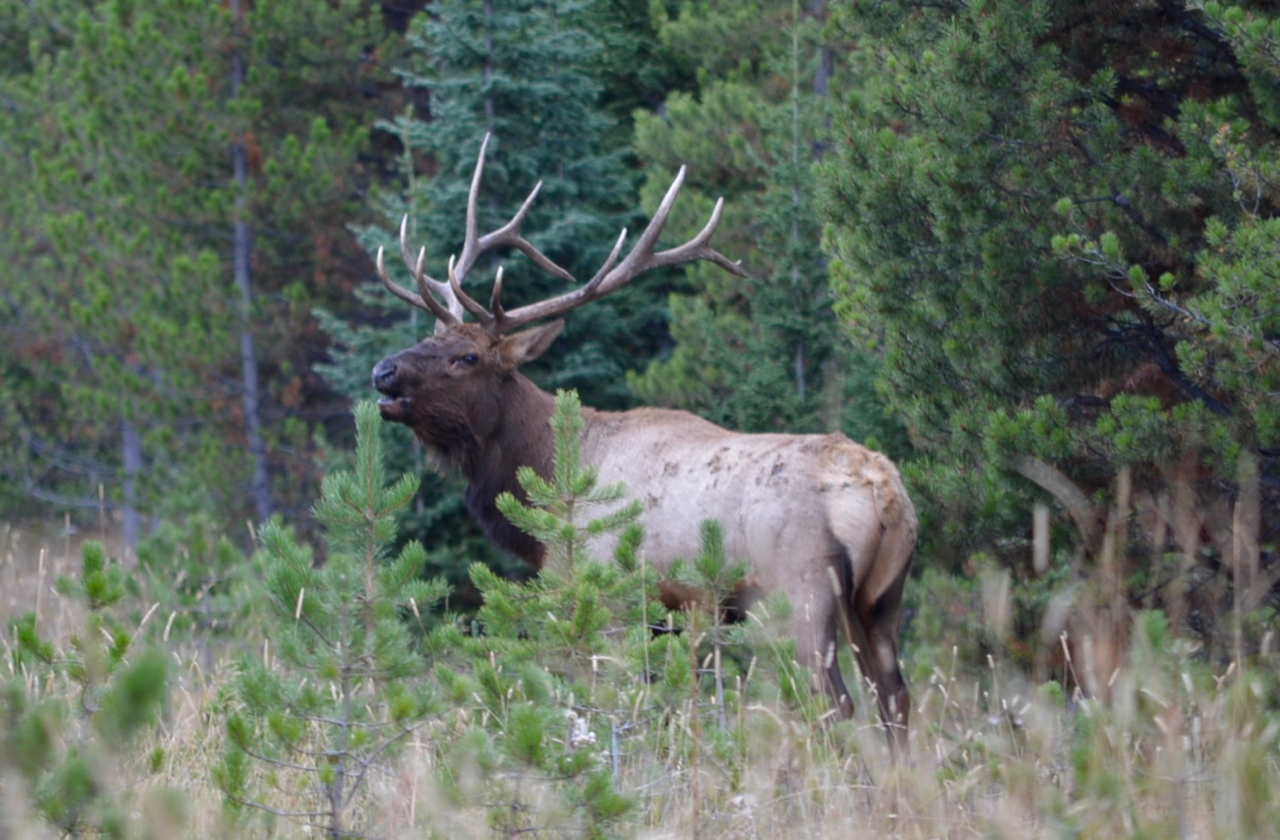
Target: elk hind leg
x,y
813,628
834,680
873,610
877,653
878,561
877,656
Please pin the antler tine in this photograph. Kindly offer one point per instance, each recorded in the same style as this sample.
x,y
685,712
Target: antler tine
x,y
506,236
641,259
481,314
474,245
394,287
648,238
610,261
495,299
428,287
426,284
470,249
446,314
509,234
495,305
698,248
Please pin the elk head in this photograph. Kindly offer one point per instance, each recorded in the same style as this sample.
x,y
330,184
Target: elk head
x,y
459,388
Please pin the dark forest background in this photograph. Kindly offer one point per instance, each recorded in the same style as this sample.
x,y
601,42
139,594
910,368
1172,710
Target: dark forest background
x,y
1027,249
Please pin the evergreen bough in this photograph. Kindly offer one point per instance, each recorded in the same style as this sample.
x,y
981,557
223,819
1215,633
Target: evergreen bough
x,y
558,654
70,719
556,506
336,687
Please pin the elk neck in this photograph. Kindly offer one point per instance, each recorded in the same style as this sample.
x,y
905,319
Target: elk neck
x,y
521,436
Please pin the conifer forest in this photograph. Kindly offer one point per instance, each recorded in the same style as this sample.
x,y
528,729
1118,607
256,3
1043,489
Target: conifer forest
x,y
1018,248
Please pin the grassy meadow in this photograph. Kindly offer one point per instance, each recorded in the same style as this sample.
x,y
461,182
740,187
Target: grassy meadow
x,y
1173,741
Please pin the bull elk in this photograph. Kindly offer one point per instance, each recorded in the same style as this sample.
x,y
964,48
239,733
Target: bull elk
x,y
817,518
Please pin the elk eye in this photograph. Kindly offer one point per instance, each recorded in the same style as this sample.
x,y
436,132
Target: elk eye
x,y
469,359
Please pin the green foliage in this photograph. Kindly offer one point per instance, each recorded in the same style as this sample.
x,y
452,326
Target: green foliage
x,y
535,79
120,321
556,505
1057,243
762,353
101,346
560,646
532,80
72,718
203,584
718,581
338,679
101,582
134,697
567,613
576,646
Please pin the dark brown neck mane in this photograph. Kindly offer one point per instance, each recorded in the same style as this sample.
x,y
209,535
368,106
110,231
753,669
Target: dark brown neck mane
x,y
521,436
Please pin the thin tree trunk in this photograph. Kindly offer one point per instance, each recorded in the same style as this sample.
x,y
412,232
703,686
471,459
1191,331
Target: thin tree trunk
x,y
489,111
826,57
796,198
131,443
822,76
261,488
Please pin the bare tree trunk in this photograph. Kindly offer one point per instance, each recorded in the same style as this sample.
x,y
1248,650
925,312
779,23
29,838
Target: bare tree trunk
x,y
488,62
796,198
261,488
822,76
131,443
826,59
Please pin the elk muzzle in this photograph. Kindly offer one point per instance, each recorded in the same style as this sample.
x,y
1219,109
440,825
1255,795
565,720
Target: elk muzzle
x,y
393,405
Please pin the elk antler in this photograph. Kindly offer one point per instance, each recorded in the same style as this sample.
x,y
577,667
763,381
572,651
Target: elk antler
x,y
495,320
448,314
474,245
641,259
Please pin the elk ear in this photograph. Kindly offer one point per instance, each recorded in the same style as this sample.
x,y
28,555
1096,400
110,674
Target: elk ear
x,y
530,344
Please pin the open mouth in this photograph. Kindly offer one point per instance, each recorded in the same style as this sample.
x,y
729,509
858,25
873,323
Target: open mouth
x,y
393,404
394,407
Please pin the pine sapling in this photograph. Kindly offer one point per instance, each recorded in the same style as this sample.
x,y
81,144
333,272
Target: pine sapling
x,y
555,650
337,686
557,506
69,719
718,580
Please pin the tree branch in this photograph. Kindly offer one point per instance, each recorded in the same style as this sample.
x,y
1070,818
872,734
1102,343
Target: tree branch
x,y
1054,482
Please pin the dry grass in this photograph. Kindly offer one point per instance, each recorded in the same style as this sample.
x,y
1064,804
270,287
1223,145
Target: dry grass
x,y
1179,749
31,559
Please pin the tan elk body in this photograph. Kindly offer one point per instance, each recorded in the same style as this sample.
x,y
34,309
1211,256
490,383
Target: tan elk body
x,y
817,518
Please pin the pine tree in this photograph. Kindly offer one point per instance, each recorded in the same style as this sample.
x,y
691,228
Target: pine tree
x,y
115,336
525,71
340,686
195,574
560,646
123,323
69,719
765,353
571,658
529,73
1046,218
565,611
558,504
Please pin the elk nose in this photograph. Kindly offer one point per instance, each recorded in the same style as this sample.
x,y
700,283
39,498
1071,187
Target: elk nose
x,y
384,374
